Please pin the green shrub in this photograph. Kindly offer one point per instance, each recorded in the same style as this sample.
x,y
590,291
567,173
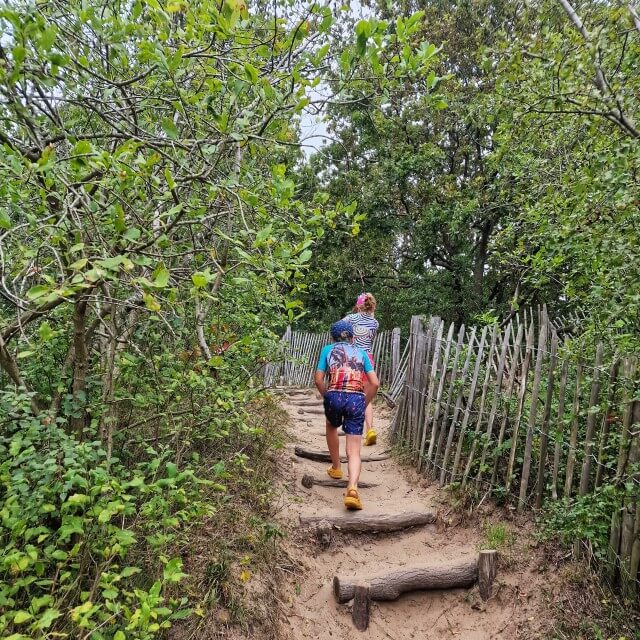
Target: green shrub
x,y
73,529
585,518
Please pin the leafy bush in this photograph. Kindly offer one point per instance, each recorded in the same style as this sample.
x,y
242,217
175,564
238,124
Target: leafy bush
x,y
70,528
585,518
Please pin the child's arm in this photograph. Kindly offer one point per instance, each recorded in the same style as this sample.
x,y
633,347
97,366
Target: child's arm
x,y
372,387
321,369
318,378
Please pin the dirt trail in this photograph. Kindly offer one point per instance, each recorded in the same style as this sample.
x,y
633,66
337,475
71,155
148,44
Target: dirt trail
x,y
310,610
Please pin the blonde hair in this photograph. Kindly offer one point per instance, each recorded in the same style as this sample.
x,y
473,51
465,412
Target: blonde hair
x,y
368,306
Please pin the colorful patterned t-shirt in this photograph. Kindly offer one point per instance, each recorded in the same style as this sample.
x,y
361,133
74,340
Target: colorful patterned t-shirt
x,y
365,327
347,365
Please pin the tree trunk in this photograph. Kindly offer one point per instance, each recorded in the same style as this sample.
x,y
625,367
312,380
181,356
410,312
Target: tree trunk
x,y
9,364
480,261
81,363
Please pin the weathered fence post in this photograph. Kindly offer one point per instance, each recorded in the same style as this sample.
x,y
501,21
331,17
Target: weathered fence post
x,y
544,437
535,392
286,339
630,530
395,354
558,446
592,417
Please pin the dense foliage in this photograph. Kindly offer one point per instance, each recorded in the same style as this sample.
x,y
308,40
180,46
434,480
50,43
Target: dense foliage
x,y
523,190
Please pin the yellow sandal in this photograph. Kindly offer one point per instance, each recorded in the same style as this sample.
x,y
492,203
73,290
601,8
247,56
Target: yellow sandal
x,y
336,474
370,438
352,500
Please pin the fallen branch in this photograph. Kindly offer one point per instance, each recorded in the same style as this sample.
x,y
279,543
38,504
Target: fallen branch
x,y
323,456
374,522
308,481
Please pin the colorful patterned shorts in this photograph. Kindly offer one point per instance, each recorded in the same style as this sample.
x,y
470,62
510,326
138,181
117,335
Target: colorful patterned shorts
x,y
345,410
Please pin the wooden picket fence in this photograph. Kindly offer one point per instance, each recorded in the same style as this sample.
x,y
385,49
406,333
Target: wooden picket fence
x,y
505,410
300,352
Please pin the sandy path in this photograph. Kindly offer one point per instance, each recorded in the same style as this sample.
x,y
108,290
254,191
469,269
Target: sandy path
x,y
310,610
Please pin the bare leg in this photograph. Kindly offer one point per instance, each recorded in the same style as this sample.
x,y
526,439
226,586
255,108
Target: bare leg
x,y
368,413
353,459
333,443
368,417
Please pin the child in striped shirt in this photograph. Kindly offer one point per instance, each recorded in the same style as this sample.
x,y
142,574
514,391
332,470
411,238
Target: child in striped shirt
x,y
365,328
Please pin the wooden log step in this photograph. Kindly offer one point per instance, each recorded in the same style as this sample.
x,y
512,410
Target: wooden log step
x,y
374,522
390,586
323,456
308,481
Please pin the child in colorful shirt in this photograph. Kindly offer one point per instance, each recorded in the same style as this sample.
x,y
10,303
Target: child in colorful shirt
x,y
345,400
365,328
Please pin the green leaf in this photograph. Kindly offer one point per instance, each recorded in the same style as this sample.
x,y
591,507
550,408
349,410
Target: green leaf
x,y
47,618
169,127
172,470
19,53
118,635
5,221
38,603
21,616
37,291
169,178
48,38
263,234
161,277
45,331
113,263
82,147
173,570
150,302
78,265
70,526
132,234
251,72
199,279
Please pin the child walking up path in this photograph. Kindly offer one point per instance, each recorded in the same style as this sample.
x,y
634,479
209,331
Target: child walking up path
x,y
345,401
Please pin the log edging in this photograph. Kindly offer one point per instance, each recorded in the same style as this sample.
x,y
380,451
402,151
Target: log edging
x,y
374,522
391,585
318,455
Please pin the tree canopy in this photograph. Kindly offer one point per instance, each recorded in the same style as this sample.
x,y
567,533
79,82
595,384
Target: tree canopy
x,y
520,188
